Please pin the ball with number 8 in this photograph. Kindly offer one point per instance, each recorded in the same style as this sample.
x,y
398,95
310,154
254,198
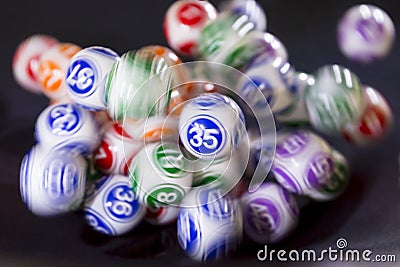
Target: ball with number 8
x,y
113,208
158,174
211,125
67,126
86,76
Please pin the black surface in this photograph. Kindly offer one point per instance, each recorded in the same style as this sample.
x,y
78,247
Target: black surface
x,y
367,215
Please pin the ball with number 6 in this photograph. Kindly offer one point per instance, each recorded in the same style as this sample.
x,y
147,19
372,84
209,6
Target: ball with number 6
x,y
67,126
86,76
158,175
211,125
112,206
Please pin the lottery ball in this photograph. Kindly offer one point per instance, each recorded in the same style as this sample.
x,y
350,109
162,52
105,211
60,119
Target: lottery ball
x,y
52,182
162,215
153,129
166,167
218,37
262,152
297,113
26,60
365,33
272,77
116,150
211,126
336,185
52,69
209,224
129,91
67,126
334,99
249,8
252,46
183,23
86,76
269,214
374,124
303,162
111,206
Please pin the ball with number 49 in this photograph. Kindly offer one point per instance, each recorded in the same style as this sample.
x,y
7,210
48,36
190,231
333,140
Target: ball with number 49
x,y
86,76
159,176
211,125
111,206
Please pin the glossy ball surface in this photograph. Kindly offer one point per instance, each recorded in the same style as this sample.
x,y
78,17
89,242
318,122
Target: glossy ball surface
x,y
116,150
25,63
334,99
52,182
86,76
111,206
211,125
303,162
365,33
159,176
67,126
269,214
183,23
209,224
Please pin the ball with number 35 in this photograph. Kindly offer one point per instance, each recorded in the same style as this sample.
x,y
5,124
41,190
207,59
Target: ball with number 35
x,y
111,206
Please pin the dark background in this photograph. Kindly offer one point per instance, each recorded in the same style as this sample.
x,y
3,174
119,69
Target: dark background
x,y
367,215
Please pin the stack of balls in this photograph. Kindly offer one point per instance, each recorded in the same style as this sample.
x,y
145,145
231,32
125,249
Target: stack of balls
x,y
124,152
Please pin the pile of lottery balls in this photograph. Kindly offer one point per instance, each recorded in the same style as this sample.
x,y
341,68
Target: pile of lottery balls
x,y
123,152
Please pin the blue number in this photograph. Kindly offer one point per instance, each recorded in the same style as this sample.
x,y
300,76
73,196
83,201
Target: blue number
x,y
81,77
216,204
121,203
205,135
64,119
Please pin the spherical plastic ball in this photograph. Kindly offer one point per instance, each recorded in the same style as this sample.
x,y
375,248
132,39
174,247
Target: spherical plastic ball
x,y
86,76
209,224
67,126
365,33
111,206
25,63
269,214
211,125
52,182
183,22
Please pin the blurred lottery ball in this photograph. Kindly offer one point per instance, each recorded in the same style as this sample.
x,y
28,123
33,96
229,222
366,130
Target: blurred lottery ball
x,y
183,23
269,214
211,126
303,162
334,98
52,182
209,224
336,185
365,33
25,63
111,206
52,69
67,126
249,8
374,124
86,76
159,175
116,150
